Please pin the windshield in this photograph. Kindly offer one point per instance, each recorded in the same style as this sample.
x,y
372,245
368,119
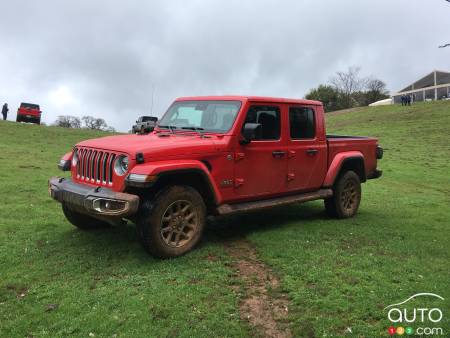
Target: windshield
x,y
29,105
209,116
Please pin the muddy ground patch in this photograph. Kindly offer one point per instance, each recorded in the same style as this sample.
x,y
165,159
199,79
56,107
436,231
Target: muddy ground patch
x,y
262,305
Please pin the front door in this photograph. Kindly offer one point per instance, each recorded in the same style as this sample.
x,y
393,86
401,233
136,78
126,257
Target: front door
x,y
261,165
307,150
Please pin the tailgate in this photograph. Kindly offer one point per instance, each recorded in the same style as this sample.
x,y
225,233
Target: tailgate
x,y
28,112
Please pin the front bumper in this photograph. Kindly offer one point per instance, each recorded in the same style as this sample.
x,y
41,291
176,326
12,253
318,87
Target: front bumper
x,y
93,201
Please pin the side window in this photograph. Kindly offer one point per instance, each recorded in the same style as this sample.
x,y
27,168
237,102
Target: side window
x,y
269,118
302,124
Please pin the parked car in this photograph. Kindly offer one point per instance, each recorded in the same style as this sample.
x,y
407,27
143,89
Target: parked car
x,y
29,112
213,156
144,124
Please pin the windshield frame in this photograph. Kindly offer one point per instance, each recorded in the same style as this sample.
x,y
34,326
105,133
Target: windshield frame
x,y
238,103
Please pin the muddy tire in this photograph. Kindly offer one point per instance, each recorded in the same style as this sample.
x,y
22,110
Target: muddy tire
x,y
346,196
82,221
172,223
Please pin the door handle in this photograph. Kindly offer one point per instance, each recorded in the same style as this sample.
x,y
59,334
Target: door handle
x,y
278,153
312,151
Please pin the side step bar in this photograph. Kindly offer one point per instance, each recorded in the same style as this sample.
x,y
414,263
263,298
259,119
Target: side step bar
x,y
227,209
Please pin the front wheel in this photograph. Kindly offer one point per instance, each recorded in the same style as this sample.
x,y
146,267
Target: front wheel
x,y
172,223
346,196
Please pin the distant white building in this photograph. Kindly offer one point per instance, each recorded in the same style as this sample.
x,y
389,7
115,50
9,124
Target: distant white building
x,y
384,102
434,86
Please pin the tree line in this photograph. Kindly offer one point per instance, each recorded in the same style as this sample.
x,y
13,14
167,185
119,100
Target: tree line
x,y
347,89
87,122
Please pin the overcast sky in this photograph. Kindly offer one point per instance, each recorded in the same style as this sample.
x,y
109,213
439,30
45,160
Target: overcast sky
x,y
102,58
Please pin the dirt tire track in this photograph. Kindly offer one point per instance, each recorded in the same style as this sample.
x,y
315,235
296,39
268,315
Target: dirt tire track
x,y
263,306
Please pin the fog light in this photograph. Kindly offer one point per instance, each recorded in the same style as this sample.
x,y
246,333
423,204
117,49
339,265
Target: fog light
x,y
108,206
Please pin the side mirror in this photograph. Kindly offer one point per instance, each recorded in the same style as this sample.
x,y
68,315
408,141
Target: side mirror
x,y
250,132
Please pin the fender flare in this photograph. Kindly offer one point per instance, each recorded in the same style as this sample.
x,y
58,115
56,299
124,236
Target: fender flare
x,y
337,163
161,168
65,163
67,156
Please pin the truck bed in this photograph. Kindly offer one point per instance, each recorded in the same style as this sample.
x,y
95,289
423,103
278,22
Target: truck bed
x,y
344,143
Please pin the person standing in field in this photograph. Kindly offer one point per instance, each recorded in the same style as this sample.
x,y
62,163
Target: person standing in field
x,y
403,100
408,100
5,111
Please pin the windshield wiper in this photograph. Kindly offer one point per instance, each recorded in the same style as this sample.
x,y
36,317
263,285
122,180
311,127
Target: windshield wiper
x,y
198,129
193,128
171,128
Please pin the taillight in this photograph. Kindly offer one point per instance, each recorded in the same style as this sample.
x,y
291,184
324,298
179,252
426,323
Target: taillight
x,y
379,152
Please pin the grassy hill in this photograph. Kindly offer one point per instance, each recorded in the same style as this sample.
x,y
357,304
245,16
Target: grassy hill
x,y
338,274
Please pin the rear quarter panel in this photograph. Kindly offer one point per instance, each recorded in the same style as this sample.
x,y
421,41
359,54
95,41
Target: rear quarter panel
x,y
364,145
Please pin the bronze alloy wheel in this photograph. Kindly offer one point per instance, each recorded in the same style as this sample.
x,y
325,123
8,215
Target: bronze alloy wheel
x,y
346,196
172,222
349,195
179,223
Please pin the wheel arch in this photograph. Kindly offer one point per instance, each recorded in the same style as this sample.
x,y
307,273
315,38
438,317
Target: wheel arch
x,y
355,164
195,174
195,178
343,162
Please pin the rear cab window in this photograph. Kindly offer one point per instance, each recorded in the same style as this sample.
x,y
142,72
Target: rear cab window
x,y
29,105
302,123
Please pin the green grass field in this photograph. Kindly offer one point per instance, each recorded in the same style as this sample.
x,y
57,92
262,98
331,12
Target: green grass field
x,y
57,281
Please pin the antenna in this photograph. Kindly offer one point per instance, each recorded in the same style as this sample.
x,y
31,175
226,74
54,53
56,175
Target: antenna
x,y
153,94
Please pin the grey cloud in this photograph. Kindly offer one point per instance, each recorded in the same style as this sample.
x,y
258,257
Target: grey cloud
x,y
109,54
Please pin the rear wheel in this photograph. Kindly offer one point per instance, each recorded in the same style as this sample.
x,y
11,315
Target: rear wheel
x,y
172,223
82,221
346,196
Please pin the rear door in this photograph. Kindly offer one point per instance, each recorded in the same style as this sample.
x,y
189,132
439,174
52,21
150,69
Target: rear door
x,y
261,166
307,148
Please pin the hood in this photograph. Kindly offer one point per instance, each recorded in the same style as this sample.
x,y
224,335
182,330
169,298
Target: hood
x,y
155,145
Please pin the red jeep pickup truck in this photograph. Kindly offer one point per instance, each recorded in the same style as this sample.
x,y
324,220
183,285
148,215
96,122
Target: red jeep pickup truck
x,y
29,112
213,156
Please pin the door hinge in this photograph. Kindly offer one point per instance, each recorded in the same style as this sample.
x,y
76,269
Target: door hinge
x,y
239,156
238,182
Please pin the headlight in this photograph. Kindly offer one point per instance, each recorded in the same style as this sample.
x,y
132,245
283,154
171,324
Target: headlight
x,y
75,158
121,165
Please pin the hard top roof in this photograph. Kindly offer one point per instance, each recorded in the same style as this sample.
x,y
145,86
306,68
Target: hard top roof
x,y
250,98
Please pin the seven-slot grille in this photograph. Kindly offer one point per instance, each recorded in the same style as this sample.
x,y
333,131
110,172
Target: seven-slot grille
x,y
95,166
